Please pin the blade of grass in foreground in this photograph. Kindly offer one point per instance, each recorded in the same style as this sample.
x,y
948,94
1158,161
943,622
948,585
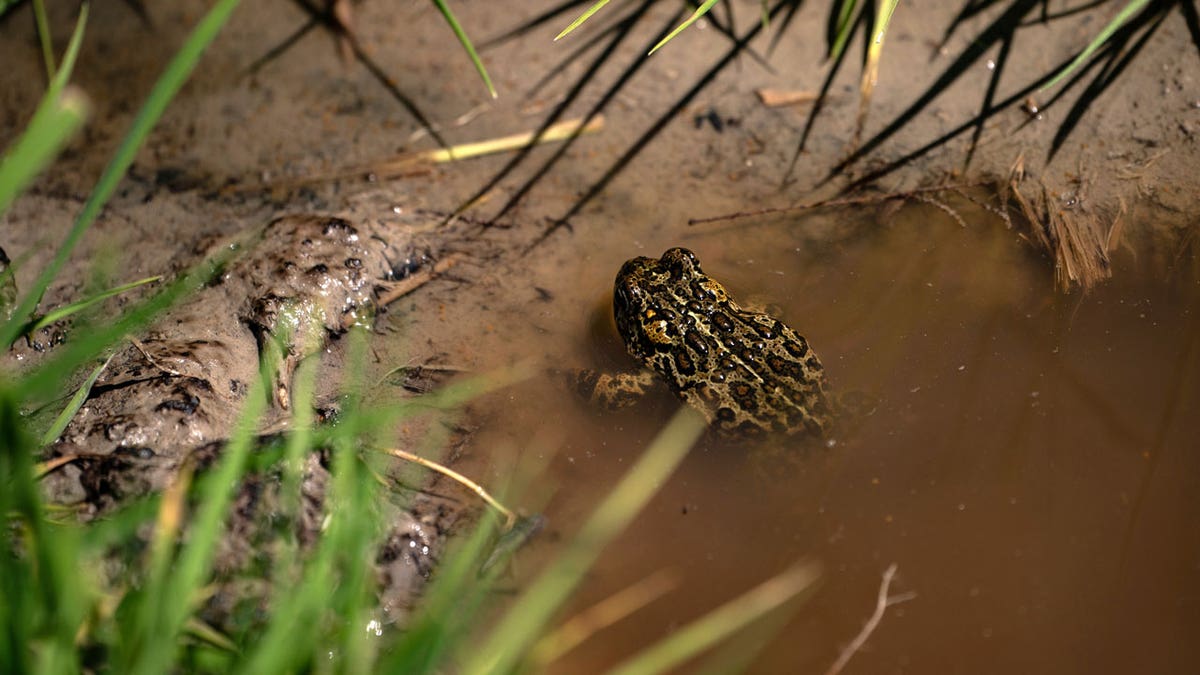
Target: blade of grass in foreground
x,y
55,122
176,73
43,31
521,626
43,599
175,580
870,74
324,614
447,610
722,622
58,116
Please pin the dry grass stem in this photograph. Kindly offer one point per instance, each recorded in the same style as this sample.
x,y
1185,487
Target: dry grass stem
x,y
882,603
170,510
1079,248
1116,231
509,516
560,131
398,289
870,75
778,98
577,629
49,466
419,163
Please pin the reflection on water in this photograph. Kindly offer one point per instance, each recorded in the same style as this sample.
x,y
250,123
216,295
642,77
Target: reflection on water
x,y
1031,466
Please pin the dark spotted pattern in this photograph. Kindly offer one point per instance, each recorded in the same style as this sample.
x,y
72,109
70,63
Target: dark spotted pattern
x,y
746,371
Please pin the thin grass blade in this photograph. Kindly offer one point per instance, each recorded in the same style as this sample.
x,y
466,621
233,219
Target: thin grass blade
x,y
517,631
845,23
52,126
170,599
722,622
79,305
466,44
700,11
73,406
870,74
447,607
43,30
1130,8
25,163
582,17
172,79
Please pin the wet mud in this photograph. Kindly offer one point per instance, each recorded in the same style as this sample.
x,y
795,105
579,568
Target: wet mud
x,y
169,398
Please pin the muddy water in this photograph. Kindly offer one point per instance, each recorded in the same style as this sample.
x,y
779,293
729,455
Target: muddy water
x,y
1030,467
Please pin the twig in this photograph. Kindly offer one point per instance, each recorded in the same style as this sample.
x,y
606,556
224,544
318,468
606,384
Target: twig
x,y
881,604
395,290
151,360
41,469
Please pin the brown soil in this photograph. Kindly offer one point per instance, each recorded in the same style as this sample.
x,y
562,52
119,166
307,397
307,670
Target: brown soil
x,y
1029,467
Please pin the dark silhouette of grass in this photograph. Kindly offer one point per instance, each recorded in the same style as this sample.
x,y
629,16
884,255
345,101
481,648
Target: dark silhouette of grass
x,y
822,97
1115,57
559,14
735,50
619,33
1000,29
1112,59
325,18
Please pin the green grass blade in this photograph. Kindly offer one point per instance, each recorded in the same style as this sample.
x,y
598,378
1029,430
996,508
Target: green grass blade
x,y
43,30
44,602
16,572
63,74
46,380
176,73
169,597
722,622
73,406
79,305
466,44
293,622
1119,20
55,122
446,610
700,11
517,631
335,582
587,14
846,12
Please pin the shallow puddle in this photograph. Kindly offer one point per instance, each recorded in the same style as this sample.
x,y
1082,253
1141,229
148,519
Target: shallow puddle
x,y
1030,466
